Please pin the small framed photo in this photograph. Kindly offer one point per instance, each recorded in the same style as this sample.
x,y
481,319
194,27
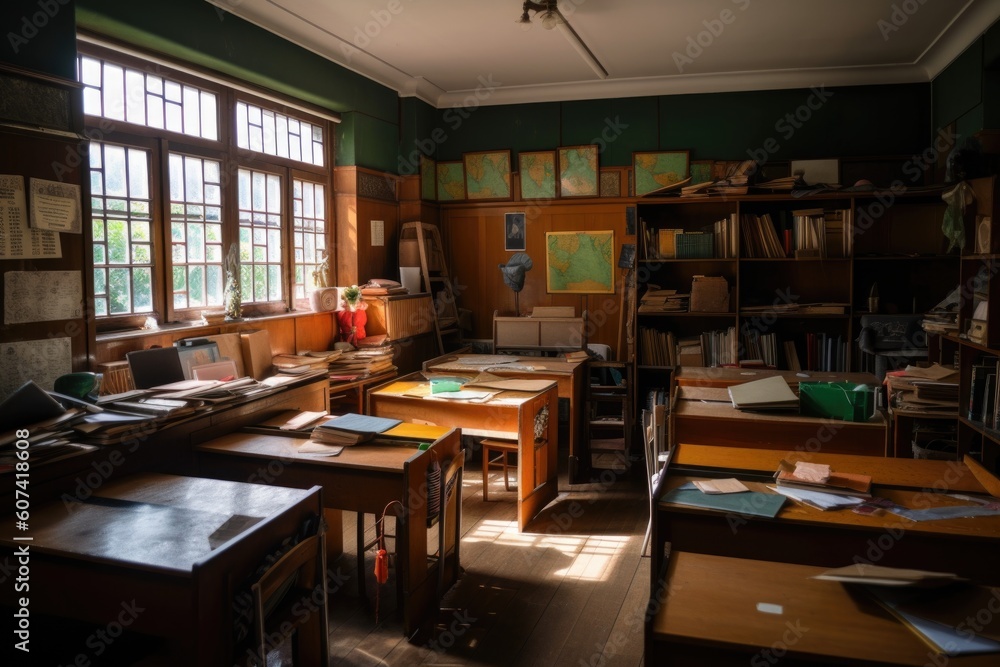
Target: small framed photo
x,y
656,170
514,232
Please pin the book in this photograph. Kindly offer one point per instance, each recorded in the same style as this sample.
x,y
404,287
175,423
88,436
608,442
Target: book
x,y
840,483
771,393
352,428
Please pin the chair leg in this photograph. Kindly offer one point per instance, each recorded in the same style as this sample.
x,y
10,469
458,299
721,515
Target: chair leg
x,y
486,473
506,478
362,592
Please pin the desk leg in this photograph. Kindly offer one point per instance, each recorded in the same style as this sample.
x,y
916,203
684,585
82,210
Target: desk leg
x,y
334,532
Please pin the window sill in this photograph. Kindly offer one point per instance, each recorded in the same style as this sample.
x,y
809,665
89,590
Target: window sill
x,y
194,328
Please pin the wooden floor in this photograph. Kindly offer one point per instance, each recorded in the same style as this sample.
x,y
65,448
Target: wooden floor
x,y
571,590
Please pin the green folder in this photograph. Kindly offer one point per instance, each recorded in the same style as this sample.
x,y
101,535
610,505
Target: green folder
x,y
750,503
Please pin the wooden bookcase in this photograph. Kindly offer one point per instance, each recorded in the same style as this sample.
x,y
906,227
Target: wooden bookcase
x,y
979,281
893,240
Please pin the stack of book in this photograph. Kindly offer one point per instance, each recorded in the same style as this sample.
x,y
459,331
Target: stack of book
x,y
819,477
300,364
657,300
351,429
363,363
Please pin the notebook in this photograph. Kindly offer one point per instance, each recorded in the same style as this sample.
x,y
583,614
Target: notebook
x,y
771,393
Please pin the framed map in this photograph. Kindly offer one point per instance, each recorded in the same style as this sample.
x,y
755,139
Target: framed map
x,y
701,171
537,171
428,178
578,171
580,262
487,175
659,169
450,181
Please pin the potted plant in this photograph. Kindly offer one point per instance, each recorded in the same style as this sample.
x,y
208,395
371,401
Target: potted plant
x,y
352,318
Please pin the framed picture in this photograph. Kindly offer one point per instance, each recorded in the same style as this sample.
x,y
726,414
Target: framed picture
x,y
701,171
514,231
578,171
656,170
537,173
428,178
450,181
580,262
487,175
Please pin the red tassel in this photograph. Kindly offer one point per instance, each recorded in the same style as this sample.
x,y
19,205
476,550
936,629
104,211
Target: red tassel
x,y
381,566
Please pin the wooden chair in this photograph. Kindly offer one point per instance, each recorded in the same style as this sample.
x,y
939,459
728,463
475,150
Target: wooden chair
x,y
449,522
501,448
280,596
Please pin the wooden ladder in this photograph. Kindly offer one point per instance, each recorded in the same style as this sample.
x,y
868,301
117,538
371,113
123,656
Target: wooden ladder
x,y
439,284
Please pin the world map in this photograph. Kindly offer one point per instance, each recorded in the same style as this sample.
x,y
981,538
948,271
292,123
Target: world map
x,y
538,175
658,170
578,171
487,175
580,262
450,181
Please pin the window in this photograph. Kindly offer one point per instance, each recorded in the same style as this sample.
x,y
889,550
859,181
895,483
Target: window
x,y
196,231
308,234
122,229
191,171
260,236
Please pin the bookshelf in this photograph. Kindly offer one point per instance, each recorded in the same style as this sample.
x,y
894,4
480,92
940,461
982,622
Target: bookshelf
x,y
978,432
800,271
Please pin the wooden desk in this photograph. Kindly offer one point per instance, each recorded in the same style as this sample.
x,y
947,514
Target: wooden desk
x,y
508,415
349,395
363,478
806,535
569,379
180,548
705,415
708,615
165,447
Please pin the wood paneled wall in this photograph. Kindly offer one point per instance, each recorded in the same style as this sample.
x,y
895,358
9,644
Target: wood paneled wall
x,y
473,235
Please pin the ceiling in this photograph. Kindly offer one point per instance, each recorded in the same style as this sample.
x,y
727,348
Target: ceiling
x,y
453,52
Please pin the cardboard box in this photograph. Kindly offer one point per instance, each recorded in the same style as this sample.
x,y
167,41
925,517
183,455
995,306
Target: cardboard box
x,y
257,353
709,294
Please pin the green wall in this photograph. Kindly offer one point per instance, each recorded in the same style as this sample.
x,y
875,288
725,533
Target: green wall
x,y
967,92
769,125
40,36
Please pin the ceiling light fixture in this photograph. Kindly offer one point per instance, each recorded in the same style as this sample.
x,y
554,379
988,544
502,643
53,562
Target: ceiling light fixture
x,y
552,18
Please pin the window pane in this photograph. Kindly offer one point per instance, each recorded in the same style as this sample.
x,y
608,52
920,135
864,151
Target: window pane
x,y
197,257
134,96
308,236
260,234
274,133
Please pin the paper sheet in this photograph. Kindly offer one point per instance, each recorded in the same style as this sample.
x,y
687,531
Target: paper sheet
x,y
56,206
42,296
40,360
17,240
729,485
